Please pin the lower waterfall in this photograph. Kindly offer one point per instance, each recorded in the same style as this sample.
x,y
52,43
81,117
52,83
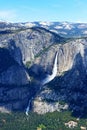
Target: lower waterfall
x,y
28,107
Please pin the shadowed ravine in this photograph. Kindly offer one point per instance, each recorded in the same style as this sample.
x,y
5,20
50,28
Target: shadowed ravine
x,y
45,81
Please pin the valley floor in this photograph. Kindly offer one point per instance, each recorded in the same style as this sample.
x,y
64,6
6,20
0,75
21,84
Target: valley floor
x,y
49,121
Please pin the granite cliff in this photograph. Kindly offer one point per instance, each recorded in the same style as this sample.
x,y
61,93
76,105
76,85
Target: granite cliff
x,y
27,55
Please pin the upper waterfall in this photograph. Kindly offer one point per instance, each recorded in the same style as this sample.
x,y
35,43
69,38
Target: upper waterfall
x,y
54,72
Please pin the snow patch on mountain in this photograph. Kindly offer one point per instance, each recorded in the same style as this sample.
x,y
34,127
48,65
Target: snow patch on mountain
x,y
58,27
29,24
85,32
46,23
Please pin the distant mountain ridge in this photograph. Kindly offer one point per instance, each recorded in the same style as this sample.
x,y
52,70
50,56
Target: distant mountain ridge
x,y
65,29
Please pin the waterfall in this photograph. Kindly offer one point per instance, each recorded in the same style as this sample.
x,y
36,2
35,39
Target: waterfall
x,y
54,72
28,107
46,80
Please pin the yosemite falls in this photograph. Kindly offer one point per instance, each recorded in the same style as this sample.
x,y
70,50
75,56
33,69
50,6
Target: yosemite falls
x,y
46,80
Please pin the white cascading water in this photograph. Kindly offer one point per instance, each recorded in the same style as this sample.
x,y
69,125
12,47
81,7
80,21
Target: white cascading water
x,y
46,80
54,72
28,108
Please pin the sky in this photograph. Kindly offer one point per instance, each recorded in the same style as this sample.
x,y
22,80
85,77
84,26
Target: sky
x,y
43,10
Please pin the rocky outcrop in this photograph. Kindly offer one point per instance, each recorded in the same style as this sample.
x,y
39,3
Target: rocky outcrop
x,y
36,47
44,107
71,124
48,101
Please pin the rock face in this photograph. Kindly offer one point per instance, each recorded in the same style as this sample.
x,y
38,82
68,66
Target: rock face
x,y
26,52
66,55
48,101
11,72
15,75
70,84
29,43
13,97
